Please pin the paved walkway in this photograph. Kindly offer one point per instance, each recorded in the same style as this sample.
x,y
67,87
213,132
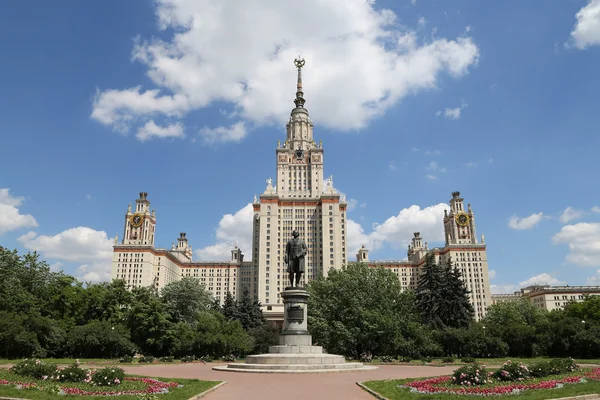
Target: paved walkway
x,y
247,386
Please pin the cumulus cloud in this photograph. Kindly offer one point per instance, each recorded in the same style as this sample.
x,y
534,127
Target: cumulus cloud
x,y
492,273
233,229
85,246
524,223
509,288
10,215
587,28
150,130
594,280
452,113
233,133
242,57
596,210
569,214
583,240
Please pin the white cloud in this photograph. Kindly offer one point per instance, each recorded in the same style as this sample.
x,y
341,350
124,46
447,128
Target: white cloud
x,y
438,113
242,57
452,113
150,130
392,166
398,230
594,280
10,216
233,133
471,164
491,160
541,279
413,2
232,229
431,177
584,243
434,166
596,209
433,152
363,205
524,223
76,245
421,21
569,214
587,28
352,203
507,288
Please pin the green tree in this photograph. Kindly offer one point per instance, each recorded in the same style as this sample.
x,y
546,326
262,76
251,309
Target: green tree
x,y
149,323
360,310
216,336
431,288
100,339
264,336
229,308
457,309
185,299
249,313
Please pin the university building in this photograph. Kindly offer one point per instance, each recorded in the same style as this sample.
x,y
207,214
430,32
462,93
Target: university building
x,y
299,199
549,297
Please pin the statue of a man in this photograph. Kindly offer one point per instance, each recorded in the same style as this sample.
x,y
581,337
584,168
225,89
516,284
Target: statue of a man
x,y
295,250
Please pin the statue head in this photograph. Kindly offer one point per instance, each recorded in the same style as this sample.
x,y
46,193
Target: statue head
x,y
295,233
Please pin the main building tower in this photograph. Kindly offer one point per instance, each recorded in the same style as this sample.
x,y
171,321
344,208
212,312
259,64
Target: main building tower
x,y
300,199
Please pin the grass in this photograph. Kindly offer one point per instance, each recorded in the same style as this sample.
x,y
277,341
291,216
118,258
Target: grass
x,y
94,361
390,390
191,387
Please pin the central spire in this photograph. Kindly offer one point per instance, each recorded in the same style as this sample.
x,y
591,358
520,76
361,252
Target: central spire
x,y
299,100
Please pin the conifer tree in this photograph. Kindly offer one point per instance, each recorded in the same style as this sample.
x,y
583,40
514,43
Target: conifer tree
x,y
229,309
460,310
429,292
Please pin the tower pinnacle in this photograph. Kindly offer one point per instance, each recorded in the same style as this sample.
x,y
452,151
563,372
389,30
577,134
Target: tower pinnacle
x,y
299,100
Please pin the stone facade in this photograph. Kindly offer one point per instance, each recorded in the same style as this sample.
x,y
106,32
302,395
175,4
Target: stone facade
x,y
549,297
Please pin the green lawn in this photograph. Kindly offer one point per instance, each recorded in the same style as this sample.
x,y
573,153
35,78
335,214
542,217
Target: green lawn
x,y
191,387
390,390
66,361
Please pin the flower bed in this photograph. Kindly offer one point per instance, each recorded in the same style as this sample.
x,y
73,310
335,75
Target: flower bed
x,y
125,386
444,384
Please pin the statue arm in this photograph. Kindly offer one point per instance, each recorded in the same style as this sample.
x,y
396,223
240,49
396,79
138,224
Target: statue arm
x,y
304,248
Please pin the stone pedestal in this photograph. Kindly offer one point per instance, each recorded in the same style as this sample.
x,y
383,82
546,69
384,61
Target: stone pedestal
x,y
295,353
295,318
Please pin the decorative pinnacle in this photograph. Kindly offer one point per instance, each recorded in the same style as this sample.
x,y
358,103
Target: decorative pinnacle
x,y
299,101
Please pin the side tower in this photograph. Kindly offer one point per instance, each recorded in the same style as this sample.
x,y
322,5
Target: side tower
x,y
466,253
299,200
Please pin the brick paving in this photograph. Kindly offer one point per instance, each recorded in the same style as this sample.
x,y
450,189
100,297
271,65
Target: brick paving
x,y
249,386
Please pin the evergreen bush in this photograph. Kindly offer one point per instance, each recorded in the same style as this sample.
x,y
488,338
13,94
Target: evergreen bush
x,y
35,369
109,376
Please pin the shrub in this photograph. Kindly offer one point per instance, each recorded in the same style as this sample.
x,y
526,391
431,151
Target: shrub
x,y
426,359
511,372
109,376
562,365
146,359
468,360
126,359
166,359
540,369
448,360
35,369
188,359
470,375
366,357
386,359
405,359
229,358
73,373
206,358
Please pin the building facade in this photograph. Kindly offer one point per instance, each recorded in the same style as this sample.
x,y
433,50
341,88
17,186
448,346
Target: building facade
x,y
299,199
549,297
461,247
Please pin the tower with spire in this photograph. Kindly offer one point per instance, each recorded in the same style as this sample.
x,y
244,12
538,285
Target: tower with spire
x,y
299,199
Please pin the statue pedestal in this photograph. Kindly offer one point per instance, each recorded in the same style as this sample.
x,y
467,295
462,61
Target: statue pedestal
x,y
295,315
295,353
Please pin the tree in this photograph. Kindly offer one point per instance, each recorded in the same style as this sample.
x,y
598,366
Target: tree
x,y
264,336
431,288
185,299
229,309
149,322
249,313
100,339
458,311
360,310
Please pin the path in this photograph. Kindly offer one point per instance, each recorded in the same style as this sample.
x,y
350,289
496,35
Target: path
x,y
247,386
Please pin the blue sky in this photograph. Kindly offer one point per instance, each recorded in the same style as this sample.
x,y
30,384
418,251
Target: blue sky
x,y
413,99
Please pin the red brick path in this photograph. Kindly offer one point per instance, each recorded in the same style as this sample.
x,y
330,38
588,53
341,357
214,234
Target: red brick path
x,y
248,386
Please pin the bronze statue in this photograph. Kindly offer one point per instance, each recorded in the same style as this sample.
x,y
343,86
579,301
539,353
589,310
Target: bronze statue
x,y
295,250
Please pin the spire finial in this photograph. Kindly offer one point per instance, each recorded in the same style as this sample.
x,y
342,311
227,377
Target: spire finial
x,y
299,101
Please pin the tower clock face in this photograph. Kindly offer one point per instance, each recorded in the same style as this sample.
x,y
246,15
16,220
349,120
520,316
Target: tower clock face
x,y
462,219
299,153
137,220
